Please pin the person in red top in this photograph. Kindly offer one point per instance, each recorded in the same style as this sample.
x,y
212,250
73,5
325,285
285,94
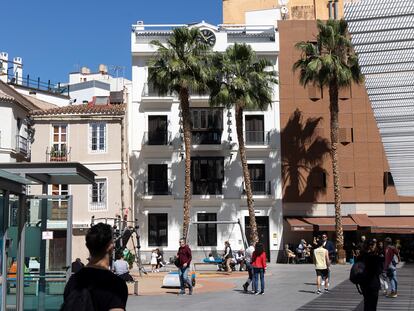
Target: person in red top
x,y
259,267
184,255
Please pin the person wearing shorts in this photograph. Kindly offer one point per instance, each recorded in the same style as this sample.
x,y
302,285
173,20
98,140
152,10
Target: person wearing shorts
x,y
322,263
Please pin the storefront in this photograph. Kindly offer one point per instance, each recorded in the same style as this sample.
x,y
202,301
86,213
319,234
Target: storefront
x,y
31,280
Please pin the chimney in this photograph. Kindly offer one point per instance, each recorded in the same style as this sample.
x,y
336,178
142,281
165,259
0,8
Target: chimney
x,y
85,71
103,69
18,70
140,25
4,59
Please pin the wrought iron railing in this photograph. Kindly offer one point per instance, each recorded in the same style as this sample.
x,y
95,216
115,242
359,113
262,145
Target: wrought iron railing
x,y
259,187
256,137
22,145
56,155
160,138
209,137
205,187
158,187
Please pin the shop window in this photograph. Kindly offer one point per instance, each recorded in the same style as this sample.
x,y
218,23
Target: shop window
x,y
207,233
157,229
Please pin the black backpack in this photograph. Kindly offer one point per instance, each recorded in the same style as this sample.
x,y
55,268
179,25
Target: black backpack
x,y
79,299
358,274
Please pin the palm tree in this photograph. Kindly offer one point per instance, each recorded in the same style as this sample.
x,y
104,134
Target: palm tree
x,y
242,81
331,62
179,67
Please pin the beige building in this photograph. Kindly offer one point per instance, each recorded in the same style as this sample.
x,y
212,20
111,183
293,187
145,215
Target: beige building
x,y
234,11
92,134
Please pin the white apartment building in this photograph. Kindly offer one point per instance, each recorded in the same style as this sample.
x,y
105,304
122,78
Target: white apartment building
x,y
156,154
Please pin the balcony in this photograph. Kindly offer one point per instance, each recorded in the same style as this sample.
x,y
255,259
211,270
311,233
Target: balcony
x,y
212,137
150,91
208,187
22,145
259,187
53,155
257,138
158,187
157,138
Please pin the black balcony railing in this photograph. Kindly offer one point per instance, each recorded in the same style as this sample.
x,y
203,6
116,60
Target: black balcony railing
x,y
22,146
259,187
36,84
204,187
150,91
160,138
56,155
157,187
212,137
256,137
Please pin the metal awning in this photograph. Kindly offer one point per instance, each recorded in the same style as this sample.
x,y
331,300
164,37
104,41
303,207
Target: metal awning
x,y
13,183
383,36
55,173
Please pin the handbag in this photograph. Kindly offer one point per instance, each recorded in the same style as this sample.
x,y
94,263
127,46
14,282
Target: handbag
x,y
177,262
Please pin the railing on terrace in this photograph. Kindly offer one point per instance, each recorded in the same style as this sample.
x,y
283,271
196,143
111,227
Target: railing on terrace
x,y
157,138
53,155
259,187
256,137
36,84
22,145
150,91
158,187
206,187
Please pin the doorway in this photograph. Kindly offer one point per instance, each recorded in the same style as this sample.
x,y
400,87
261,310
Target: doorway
x,y
262,230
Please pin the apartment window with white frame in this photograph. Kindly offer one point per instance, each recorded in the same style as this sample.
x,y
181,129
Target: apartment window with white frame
x,y
97,137
98,193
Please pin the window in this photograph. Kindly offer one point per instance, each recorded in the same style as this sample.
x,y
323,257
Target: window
x,y
157,130
207,233
258,178
157,179
97,137
59,148
207,125
157,229
207,118
255,134
59,206
207,175
98,195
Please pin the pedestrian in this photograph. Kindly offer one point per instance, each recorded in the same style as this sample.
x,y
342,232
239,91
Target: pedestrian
x,y
322,263
373,268
383,276
228,256
77,265
121,267
259,268
160,259
240,260
184,259
330,247
392,258
248,259
95,287
154,261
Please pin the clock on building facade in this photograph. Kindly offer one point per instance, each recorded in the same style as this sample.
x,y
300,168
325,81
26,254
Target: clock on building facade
x,y
208,37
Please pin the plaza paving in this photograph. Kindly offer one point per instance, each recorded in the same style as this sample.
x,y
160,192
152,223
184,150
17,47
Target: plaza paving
x,y
288,287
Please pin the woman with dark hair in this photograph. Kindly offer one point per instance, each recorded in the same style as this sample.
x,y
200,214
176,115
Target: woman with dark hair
x,y
373,268
259,267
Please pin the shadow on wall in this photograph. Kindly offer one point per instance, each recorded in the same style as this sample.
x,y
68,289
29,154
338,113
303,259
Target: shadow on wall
x,y
303,153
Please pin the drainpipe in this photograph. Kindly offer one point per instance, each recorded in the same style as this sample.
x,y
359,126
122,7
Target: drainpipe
x,y
128,170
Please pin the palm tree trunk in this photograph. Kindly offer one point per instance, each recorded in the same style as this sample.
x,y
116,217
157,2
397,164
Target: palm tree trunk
x,y
254,237
185,110
334,111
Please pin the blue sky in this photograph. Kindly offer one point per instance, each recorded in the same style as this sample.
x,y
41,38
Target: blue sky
x,y
56,37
